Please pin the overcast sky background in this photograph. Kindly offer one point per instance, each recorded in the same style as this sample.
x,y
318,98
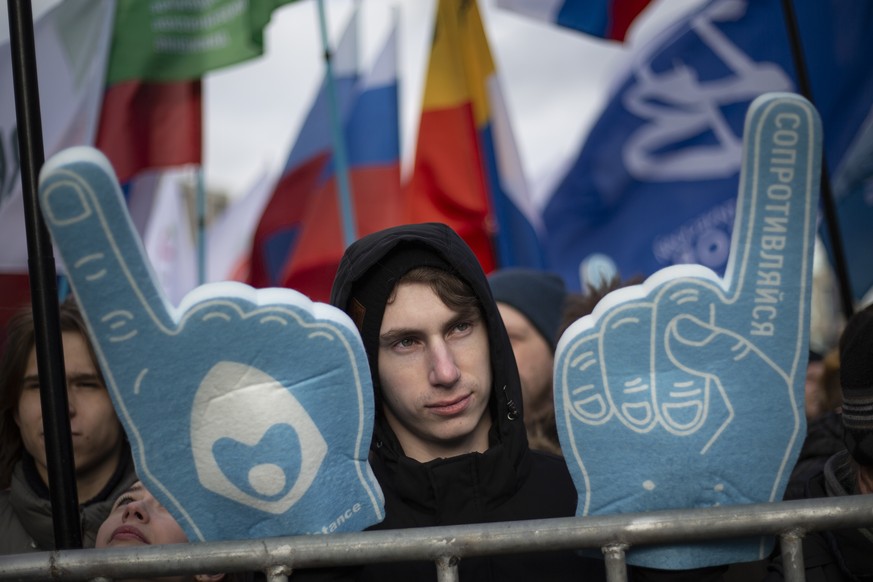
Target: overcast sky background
x,y
555,81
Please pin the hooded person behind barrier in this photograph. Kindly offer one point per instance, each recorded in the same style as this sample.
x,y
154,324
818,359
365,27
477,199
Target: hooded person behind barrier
x,y
856,381
844,554
507,481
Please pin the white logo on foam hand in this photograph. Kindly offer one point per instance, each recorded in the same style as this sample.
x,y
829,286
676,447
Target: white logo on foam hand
x,y
222,410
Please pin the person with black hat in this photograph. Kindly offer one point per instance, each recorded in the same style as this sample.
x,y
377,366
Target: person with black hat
x,y
449,445
845,554
531,303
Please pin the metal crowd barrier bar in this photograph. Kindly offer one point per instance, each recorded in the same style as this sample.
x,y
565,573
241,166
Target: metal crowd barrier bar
x,y
445,546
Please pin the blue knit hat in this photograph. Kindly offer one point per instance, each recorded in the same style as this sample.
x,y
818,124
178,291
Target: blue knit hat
x,y
538,295
856,380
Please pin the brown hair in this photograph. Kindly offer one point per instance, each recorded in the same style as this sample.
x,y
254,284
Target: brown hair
x,y
542,434
578,305
20,340
451,289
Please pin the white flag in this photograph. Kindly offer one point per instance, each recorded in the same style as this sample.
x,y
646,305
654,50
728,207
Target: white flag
x,y
168,240
72,46
229,238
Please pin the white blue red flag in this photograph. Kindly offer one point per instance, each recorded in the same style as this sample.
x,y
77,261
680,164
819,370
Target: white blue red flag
x,y
304,172
372,141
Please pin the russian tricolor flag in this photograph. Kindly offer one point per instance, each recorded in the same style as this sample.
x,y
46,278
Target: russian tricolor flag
x,y
373,150
305,172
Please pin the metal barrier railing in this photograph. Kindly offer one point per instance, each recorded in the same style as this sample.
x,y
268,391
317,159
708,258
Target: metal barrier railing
x,y
445,546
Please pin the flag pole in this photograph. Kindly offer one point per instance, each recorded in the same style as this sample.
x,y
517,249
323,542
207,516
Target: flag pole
x,y
828,206
201,227
43,285
346,204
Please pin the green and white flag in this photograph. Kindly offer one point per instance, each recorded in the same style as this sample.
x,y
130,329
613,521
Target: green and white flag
x,y
178,40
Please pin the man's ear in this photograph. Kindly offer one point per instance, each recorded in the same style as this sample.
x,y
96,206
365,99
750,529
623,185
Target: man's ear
x,y
209,577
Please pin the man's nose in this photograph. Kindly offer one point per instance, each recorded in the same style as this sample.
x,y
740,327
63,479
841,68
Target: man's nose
x,y
444,370
136,511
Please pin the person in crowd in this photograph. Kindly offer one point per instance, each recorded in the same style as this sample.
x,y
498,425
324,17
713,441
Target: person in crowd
x,y
578,305
103,466
531,303
823,395
449,444
844,555
824,425
138,519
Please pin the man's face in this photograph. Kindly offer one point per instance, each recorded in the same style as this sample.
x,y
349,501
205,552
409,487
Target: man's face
x,y
435,371
138,519
535,362
95,429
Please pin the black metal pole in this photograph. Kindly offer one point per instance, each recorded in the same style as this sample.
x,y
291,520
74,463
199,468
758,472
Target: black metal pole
x,y
43,285
827,197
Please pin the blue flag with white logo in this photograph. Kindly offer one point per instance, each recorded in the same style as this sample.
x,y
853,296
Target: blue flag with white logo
x,y
655,183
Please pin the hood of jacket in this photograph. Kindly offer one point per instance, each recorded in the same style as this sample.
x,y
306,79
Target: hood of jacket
x,y
851,547
369,253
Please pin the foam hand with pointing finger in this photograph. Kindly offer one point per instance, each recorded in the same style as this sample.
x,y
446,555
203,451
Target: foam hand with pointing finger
x,y
249,413
687,391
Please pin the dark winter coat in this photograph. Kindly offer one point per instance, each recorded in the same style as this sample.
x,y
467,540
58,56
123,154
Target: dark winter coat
x,y
840,555
824,438
26,514
505,483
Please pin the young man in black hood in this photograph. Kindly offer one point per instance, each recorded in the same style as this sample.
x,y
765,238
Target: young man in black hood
x,y
449,445
844,554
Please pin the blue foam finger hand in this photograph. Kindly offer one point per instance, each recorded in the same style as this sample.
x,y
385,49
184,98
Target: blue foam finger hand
x,y
687,391
249,412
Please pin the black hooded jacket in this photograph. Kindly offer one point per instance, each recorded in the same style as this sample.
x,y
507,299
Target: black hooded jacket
x,y
842,555
505,483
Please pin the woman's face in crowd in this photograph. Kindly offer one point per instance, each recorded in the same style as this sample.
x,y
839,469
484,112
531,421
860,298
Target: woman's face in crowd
x,y
136,519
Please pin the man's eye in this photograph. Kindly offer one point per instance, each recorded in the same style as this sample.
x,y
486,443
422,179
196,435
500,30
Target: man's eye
x,y
463,326
406,342
88,383
123,500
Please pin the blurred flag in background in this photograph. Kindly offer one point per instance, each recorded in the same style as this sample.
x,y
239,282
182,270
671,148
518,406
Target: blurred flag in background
x,y
152,111
604,18
656,180
462,175
372,141
72,45
152,115
306,170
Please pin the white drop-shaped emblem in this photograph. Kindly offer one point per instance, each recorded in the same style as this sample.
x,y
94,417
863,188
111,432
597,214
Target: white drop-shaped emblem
x,y
239,404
